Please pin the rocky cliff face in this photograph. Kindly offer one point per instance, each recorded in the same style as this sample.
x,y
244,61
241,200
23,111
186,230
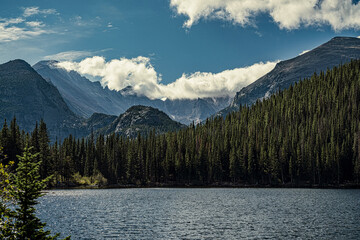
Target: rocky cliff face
x,y
338,50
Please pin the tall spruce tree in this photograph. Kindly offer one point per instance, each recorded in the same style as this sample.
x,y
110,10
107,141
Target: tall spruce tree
x,y
47,166
27,189
7,215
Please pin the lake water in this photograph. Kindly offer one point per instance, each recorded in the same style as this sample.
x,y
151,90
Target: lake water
x,y
203,213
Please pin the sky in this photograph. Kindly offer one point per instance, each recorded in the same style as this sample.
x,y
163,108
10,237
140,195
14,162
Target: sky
x,y
171,48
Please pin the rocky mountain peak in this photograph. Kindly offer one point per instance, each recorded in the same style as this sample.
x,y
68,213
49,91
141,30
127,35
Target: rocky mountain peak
x,y
142,119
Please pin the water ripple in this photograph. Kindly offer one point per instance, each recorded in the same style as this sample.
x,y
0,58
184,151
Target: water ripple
x,y
203,213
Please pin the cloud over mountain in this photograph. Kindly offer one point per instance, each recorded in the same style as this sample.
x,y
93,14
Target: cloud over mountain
x,y
339,14
138,72
68,55
207,84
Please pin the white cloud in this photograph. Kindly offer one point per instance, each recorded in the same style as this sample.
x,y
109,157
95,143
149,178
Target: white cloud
x,y
120,73
30,11
205,84
35,24
358,37
12,29
8,21
141,75
339,14
78,20
303,52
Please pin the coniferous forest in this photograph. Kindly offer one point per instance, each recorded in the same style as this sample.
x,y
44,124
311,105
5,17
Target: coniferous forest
x,y
307,135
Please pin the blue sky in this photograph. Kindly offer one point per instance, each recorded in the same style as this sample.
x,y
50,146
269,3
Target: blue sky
x,y
173,38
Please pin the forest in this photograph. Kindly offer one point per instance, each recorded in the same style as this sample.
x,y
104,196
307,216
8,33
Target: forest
x,y
307,135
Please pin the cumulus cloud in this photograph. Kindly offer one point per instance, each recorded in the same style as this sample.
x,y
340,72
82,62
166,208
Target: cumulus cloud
x,y
206,84
120,73
339,14
141,75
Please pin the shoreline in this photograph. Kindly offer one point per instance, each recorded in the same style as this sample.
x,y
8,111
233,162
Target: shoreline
x,y
218,185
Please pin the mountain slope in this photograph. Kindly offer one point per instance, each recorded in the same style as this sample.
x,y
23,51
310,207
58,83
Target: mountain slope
x,y
85,97
26,95
141,119
95,122
338,50
197,110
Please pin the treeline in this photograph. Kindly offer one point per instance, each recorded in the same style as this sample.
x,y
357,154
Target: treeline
x,y
307,134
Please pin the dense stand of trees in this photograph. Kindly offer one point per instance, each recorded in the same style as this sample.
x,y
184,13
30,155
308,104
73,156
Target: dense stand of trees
x,y
309,133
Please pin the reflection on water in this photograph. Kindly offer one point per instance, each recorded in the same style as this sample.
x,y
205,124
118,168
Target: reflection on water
x,y
203,213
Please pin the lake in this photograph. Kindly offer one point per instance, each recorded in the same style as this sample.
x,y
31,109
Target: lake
x,y
203,213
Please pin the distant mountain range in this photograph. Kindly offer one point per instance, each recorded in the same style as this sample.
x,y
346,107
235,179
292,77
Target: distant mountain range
x,y
337,51
71,104
85,97
24,94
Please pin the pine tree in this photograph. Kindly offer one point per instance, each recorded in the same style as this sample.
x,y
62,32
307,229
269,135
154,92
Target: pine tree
x,y
46,167
28,187
7,215
5,137
14,142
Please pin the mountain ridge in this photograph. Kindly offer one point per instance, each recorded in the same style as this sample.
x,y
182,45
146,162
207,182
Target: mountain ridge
x,y
332,53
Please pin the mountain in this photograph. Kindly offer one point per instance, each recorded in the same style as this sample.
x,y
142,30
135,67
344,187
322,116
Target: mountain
x,y
85,97
337,51
96,121
194,110
82,96
141,119
27,96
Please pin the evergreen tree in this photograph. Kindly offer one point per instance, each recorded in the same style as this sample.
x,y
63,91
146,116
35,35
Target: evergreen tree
x,y
14,142
28,187
7,215
5,138
47,166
